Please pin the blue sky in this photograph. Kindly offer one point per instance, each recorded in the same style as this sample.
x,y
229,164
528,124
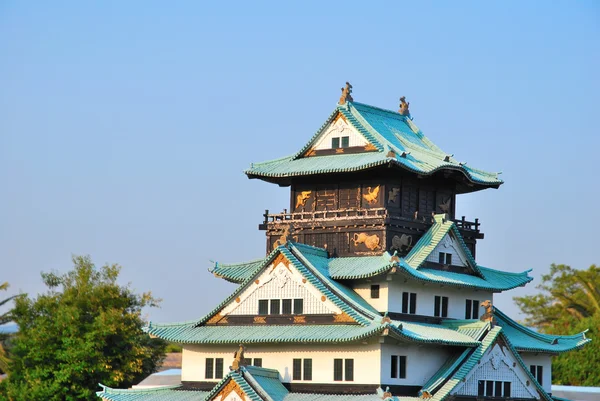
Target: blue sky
x,y
125,126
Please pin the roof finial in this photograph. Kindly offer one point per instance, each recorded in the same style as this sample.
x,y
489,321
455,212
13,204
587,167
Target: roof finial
x,y
404,107
346,94
488,316
239,358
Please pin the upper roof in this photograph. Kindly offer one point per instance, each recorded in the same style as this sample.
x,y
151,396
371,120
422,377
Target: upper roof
x,y
395,140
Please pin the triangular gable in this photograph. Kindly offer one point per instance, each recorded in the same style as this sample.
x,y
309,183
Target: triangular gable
x,y
234,387
282,255
443,236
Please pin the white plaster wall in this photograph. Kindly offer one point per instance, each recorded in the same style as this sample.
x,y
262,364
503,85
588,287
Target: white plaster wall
x,y
499,364
280,282
421,362
339,129
449,245
426,295
364,290
544,360
366,360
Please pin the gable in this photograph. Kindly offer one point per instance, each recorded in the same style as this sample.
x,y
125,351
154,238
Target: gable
x,y
280,280
449,245
498,365
339,137
230,392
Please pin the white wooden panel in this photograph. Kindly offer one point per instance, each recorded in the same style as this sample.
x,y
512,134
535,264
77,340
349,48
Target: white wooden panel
x,y
449,245
339,129
499,364
366,358
421,363
364,290
281,282
426,294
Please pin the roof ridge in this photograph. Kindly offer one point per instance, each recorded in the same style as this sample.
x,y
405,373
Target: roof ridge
x,y
549,338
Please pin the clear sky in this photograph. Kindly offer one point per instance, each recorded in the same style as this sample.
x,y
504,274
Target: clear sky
x,y
125,126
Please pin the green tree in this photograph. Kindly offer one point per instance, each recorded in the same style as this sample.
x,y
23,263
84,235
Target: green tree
x,y
5,317
85,330
569,303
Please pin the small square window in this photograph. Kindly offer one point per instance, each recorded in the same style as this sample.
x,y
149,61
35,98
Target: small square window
x,y
335,142
375,291
345,141
263,306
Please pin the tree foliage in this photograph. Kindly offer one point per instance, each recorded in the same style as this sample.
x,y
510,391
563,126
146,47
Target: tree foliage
x,y
569,303
5,317
85,330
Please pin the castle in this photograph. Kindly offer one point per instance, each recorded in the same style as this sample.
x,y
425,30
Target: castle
x,y
370,289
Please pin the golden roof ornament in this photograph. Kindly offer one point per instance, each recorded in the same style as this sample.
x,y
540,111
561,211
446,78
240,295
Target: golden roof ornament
x,y
239,358
404,107
346,94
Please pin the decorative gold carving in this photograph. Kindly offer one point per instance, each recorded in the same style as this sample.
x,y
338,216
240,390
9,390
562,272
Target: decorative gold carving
x,y
301,198
238,300
299,319
370,241
338,117
215,319
339,150
323,298
343,318
369,147
280,259
230,387
303,281
404,107
425,395
395,259
391,154
284,236
402,242
238,358
256,281
311,152
371,195
488,316
346,94
260,319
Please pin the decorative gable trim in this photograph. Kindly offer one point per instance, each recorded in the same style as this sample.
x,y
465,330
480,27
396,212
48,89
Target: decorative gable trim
x,y
230,387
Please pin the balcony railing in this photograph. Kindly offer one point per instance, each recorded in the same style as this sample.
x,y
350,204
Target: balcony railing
x,y
286,216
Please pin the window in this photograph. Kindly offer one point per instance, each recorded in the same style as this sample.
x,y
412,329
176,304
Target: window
x,y
409,302
375,291
440,306
343,369
538,372
263,307
274,310
445,258
398,367
490,388
280,306
209,368
345,141
286,306
472,309
298,306
219,368
298,366
257,362
335,142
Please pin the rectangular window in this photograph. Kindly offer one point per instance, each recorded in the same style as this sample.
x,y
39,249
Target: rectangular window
x,y
219,368
335,142
409,302
286,306
481,388
472,309
263,306
538,373
375,291
507,389
448,258
209,368
497,389
349,367
258,362
297,369
398,370
298,306
338,366
442,258
440,306
307,369
275,303
345,141
489,388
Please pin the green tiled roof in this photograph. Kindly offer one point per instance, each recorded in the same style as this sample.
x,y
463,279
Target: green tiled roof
x,y
165,393
236,273
386,130
527,340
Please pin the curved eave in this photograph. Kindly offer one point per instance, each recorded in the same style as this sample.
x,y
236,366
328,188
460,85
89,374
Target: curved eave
x,y
389,268
254,172
237,273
